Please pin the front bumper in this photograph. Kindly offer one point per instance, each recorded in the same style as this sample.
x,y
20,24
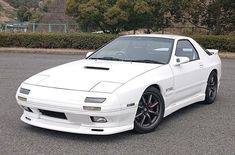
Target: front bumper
x,y
77,119
72,127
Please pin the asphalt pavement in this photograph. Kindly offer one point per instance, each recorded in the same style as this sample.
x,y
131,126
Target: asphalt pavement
x,y
195,130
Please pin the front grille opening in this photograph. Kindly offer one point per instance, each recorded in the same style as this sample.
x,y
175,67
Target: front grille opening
x,y
27,109
54,114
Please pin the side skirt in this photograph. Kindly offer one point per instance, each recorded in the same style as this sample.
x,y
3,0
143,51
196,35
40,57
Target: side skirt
x,y
188,101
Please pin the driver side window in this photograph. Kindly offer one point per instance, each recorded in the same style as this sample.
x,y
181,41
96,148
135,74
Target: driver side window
x,y
185,49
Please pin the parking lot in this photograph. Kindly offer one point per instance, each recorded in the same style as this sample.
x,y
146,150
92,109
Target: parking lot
x,y
197,129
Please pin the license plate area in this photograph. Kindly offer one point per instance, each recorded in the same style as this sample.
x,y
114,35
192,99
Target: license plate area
x,y
53,114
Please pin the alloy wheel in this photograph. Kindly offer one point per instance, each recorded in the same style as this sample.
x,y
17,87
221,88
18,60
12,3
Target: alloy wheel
x,y
148,110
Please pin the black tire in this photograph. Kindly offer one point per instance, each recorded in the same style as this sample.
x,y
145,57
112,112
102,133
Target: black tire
x,y
150,111
211,89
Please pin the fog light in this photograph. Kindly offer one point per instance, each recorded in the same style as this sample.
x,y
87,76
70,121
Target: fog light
x,y
91,108
98,119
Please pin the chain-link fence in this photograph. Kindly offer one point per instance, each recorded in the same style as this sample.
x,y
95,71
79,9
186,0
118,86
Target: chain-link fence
x,y
39,27
67,27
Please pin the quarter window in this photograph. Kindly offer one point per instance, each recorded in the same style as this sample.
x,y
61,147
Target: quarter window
x,y
185,49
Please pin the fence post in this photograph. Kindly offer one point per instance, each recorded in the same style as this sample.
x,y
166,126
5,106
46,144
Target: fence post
x,y
65,28
33,27
193,30
49,28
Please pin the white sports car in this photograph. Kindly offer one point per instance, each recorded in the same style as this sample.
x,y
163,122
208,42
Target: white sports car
x,y
131,83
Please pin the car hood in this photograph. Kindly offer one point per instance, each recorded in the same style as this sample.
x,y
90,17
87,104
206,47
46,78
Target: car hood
x,y
85,74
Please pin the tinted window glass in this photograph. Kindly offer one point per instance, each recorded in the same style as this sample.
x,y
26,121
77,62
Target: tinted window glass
x,y
185,49
137,48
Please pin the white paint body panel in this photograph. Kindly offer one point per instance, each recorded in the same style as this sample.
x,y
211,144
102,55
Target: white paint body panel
x,y
75,76
64,89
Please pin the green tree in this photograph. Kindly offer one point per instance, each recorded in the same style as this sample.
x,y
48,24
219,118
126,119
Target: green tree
x,y
117,15
162,14
27,3
115,19
141,16
35,16
30,10
72,8
220,16
23,14
91,14
217,16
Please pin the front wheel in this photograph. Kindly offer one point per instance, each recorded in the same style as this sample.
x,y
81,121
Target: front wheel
x,y
211,89
150,111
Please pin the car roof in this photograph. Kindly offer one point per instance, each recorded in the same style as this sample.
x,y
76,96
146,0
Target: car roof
x,y
158,36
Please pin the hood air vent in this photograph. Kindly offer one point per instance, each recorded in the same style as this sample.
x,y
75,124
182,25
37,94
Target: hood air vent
x,y
98,68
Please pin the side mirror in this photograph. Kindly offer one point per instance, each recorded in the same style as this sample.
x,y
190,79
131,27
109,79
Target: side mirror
x,y
88,54
181,60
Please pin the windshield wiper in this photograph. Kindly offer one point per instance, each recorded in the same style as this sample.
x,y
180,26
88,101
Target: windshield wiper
x,y
107,58
146,61
117,59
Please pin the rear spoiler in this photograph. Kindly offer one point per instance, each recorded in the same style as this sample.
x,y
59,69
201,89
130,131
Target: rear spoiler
x,y
213,51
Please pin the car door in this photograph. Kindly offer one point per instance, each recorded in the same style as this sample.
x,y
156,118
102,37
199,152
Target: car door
x,y
187,77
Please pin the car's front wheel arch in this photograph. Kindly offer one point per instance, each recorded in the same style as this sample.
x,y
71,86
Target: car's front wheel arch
x,y
159,88
149,112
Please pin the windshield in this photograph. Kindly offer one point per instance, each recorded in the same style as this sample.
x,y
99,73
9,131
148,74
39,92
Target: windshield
x,y
136,49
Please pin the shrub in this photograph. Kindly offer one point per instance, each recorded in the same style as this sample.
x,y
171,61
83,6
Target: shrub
x,y
220,42
94,41
54,40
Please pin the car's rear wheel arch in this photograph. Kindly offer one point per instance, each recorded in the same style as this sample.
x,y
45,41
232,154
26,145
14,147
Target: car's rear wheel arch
x,y
216,72
213,71
212,87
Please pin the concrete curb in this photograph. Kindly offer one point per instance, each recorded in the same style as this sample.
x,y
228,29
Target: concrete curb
x,y
74,51
43,50
227,55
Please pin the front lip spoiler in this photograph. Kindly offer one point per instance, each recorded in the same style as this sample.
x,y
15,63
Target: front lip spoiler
x,y
73,128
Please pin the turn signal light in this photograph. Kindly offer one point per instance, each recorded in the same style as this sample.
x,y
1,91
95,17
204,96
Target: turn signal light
x,y
22,98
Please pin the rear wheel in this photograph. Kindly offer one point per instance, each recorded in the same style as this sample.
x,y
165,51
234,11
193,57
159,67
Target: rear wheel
x,y
211,89
150,111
